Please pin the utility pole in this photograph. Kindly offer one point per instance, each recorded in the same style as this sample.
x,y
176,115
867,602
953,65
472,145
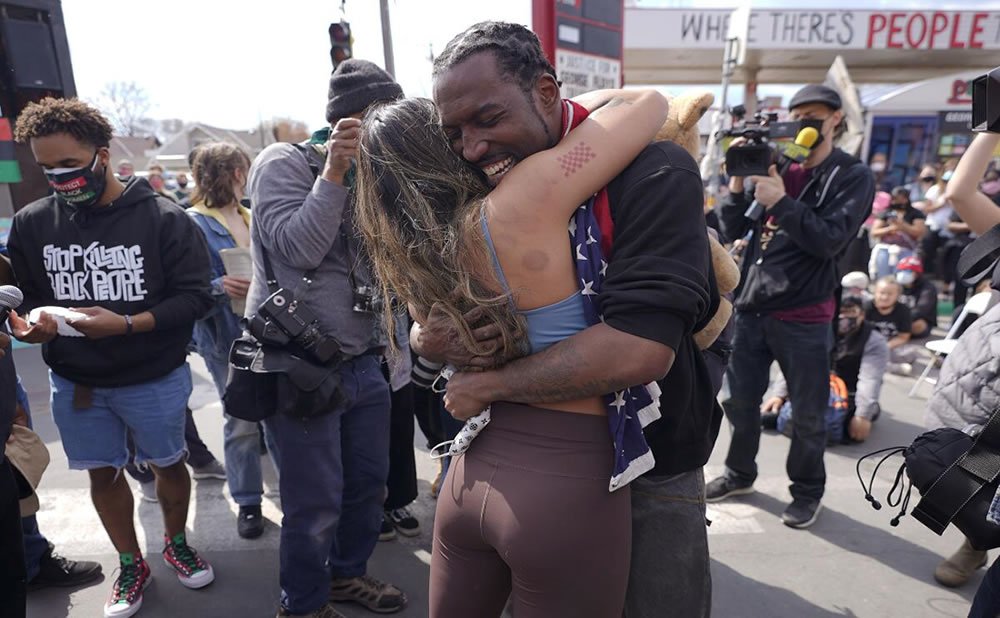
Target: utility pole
x,y
390,64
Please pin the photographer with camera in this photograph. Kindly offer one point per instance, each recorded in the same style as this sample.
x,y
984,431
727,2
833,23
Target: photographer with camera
x,y
334,464
785,303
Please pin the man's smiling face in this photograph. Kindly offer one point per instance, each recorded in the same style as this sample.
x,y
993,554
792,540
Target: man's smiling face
x,y
490,120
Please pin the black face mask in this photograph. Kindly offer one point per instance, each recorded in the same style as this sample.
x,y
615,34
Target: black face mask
x,y
80,186
846,326
816,123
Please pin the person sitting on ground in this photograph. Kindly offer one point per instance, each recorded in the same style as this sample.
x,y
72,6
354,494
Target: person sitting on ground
x,y
892,318
856,284
898,231
860,357
919,294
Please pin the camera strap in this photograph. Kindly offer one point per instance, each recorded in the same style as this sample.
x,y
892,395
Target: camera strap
x,y
272,280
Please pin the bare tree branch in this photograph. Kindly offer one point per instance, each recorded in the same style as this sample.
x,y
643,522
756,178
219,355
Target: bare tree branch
x,y
126,104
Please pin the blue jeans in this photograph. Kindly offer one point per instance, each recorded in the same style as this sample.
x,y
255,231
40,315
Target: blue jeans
x,y
333,473
670,573
242,447
803,353
152,413
986,604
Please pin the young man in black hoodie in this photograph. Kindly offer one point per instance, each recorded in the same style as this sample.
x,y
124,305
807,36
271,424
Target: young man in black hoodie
x,y
499,101
785,303
135,270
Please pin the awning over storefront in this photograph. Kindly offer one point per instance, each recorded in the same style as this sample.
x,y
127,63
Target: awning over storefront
x,y
685,46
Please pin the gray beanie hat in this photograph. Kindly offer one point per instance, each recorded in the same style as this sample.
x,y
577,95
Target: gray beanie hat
x,y
355,85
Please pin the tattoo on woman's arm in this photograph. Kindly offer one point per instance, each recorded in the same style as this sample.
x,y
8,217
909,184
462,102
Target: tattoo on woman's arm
x,y
575,159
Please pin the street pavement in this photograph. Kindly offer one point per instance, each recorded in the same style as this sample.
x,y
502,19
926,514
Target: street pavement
x,y
850,563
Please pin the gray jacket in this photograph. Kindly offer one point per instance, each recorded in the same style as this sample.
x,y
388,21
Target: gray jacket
x,y
967,390
304,223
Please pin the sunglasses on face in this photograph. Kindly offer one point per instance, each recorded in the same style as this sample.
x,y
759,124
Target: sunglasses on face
x,y
927,179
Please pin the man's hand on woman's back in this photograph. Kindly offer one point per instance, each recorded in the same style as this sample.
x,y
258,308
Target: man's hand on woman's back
x,y
436,338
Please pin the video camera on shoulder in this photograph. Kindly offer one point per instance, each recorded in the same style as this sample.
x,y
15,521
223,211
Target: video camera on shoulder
x,y
763,148
986,102
281,321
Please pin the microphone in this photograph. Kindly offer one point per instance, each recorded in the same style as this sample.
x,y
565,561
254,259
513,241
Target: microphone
x,y
791,152
10,298
799,150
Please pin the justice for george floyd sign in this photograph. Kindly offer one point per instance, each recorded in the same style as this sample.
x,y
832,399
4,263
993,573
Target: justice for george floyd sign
x,y
580,73
829,29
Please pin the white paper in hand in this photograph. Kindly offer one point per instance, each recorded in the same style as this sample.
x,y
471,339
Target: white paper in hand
x,y
239,264
60,315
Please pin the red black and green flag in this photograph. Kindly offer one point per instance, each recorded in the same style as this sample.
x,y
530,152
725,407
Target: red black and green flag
x,y
9,170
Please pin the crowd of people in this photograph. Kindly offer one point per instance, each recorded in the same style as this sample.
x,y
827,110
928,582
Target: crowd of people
x,y
427,241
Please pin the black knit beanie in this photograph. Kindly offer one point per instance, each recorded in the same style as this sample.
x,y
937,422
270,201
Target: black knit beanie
x,y
355,85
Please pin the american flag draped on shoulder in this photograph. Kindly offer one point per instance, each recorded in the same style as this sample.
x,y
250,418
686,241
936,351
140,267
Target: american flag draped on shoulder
x,y
631,409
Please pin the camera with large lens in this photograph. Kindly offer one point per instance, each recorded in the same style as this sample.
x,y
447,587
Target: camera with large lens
x,y
283,321
986,102
758,153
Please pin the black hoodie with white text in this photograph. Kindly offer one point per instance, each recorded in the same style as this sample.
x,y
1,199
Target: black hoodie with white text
x,y
140,253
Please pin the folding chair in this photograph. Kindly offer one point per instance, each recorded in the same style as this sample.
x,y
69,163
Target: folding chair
x,y
943,347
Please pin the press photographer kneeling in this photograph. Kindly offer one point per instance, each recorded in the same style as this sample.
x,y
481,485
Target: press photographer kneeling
x,y
785,304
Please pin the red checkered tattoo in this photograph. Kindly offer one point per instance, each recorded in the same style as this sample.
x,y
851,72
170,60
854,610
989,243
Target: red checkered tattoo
x,y
572,161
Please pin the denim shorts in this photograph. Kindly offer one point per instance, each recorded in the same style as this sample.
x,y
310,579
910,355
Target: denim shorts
x,y
152,412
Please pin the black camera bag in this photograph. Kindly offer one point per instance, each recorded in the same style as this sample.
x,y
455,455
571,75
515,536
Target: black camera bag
x,y
264,379
957,476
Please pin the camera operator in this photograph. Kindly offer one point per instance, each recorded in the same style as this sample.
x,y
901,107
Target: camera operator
x,y
333,466
786,303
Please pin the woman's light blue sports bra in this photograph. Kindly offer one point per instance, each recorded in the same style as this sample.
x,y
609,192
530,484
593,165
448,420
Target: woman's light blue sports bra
x,y
549,324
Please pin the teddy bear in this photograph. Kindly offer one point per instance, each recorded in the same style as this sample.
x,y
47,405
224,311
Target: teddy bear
x,y
681,127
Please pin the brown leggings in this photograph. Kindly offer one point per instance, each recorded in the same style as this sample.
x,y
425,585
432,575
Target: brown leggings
x,y
526,512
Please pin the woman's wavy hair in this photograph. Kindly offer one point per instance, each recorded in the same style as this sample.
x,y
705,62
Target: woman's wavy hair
x,y
419,209
214,172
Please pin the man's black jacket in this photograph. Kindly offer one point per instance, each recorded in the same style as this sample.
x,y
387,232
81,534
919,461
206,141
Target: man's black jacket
x,y
791,260
660,286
